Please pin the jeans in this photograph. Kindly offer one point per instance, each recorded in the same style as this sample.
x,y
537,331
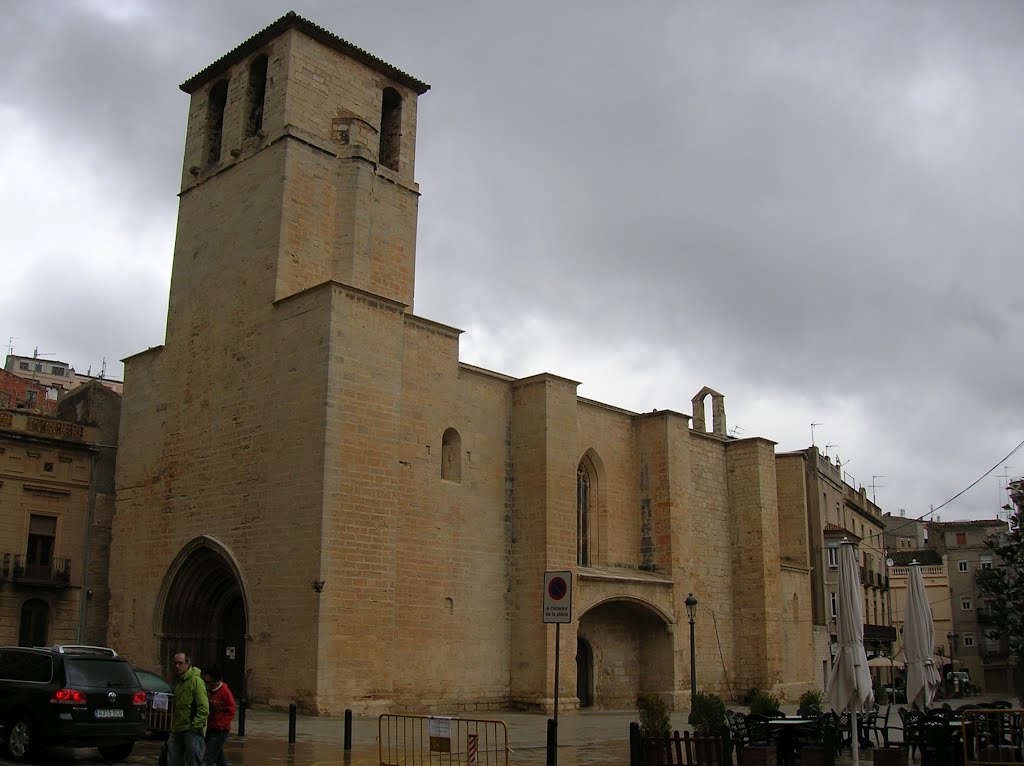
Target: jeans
x,y
215,748
185,748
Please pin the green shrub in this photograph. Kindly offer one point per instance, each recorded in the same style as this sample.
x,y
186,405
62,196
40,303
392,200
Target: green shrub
x,y
812,698
764,703
655,720
707,715
747,698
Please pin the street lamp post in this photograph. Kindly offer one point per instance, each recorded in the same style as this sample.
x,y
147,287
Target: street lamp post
x,y
952,659
691,610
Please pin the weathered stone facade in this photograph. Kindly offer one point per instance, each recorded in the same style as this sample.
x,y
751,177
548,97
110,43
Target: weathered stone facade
x,y
316,493
56,506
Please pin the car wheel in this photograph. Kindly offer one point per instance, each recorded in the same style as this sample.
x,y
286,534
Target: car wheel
x,y
21,744
117,753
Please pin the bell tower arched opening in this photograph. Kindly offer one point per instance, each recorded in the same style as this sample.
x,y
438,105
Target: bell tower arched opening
x,y
204,611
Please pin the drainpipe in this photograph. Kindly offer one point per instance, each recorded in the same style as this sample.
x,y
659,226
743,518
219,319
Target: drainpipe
x,y
90,513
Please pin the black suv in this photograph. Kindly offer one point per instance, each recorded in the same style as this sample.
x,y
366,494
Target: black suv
x,y
69,696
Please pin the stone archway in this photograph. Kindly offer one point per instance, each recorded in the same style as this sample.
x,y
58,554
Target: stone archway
x,y
631,652
205,612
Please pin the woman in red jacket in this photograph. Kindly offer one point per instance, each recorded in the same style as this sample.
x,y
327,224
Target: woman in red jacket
x,y
222,712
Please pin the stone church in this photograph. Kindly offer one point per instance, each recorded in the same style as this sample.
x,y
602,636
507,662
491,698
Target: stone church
x,y
316,493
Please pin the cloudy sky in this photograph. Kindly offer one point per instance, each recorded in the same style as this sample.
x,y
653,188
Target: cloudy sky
x,y
814,208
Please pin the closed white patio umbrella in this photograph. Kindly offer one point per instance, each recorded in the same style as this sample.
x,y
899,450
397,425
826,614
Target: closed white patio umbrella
x,y
849,684
918,639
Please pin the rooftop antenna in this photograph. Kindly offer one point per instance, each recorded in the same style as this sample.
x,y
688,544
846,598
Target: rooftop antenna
x,y
103,369
813,425
874,486
10,345
1004,488
827,446
734,431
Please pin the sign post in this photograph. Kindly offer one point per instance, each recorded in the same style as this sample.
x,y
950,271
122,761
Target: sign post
x,y
557,609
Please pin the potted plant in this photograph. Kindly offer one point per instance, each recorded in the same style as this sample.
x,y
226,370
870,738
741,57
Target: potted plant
x,y
707,717
764,703
655,728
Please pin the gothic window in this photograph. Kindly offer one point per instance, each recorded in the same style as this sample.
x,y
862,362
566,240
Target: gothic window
x,y
390,128
451,455
215,106
35,615
255,95
583,507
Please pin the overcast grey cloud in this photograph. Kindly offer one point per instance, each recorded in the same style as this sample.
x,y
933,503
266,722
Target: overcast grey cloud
x,y
812,208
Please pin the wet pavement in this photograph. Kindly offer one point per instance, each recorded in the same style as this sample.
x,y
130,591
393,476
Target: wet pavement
x,y
588,738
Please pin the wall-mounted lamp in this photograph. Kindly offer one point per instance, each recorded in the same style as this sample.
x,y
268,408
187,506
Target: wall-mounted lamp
x,y
318,585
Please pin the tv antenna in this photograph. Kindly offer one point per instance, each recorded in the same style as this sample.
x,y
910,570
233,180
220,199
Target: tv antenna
x,y
828,446
813,426
874,486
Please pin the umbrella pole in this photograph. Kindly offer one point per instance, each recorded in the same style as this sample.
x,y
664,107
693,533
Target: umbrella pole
x,y
854,740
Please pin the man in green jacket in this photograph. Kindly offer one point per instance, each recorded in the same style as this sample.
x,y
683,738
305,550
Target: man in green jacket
x,y
191,709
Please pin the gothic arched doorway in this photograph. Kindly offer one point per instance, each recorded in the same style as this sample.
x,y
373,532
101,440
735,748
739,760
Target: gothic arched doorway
x,y
584,673
205,610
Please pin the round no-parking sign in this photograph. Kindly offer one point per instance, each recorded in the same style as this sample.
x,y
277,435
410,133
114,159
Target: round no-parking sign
x,y
558,597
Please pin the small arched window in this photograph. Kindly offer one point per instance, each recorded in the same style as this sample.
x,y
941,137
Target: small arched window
x,y
255,94
34,623
451,455
215,106
390,128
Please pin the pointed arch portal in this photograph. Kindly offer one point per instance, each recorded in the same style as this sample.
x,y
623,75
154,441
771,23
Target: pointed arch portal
x,y
205,610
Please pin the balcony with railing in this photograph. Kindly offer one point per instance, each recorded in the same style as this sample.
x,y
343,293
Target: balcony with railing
x,y
54,574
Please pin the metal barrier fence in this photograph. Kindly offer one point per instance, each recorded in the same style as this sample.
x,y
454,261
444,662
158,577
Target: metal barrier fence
x,y
992,736
412,740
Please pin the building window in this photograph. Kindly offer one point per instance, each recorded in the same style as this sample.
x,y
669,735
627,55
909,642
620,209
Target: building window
x,y
961,566
390,128
833,557
35,614
215,106
254,96
42,534
583,495
57,370
30,397
48,467
961,538
965,603
451,455
985,562
968,639
22,365
832,600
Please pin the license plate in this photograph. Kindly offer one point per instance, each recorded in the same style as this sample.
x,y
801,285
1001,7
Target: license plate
x,y
109,713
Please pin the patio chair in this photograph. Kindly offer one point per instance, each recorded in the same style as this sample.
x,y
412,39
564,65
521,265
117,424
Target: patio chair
x,y
737,728
937,742
823,735
842,732
880,727
757,730
911,720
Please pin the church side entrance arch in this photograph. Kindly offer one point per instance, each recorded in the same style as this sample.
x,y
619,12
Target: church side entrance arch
x,y
630,652
205,610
